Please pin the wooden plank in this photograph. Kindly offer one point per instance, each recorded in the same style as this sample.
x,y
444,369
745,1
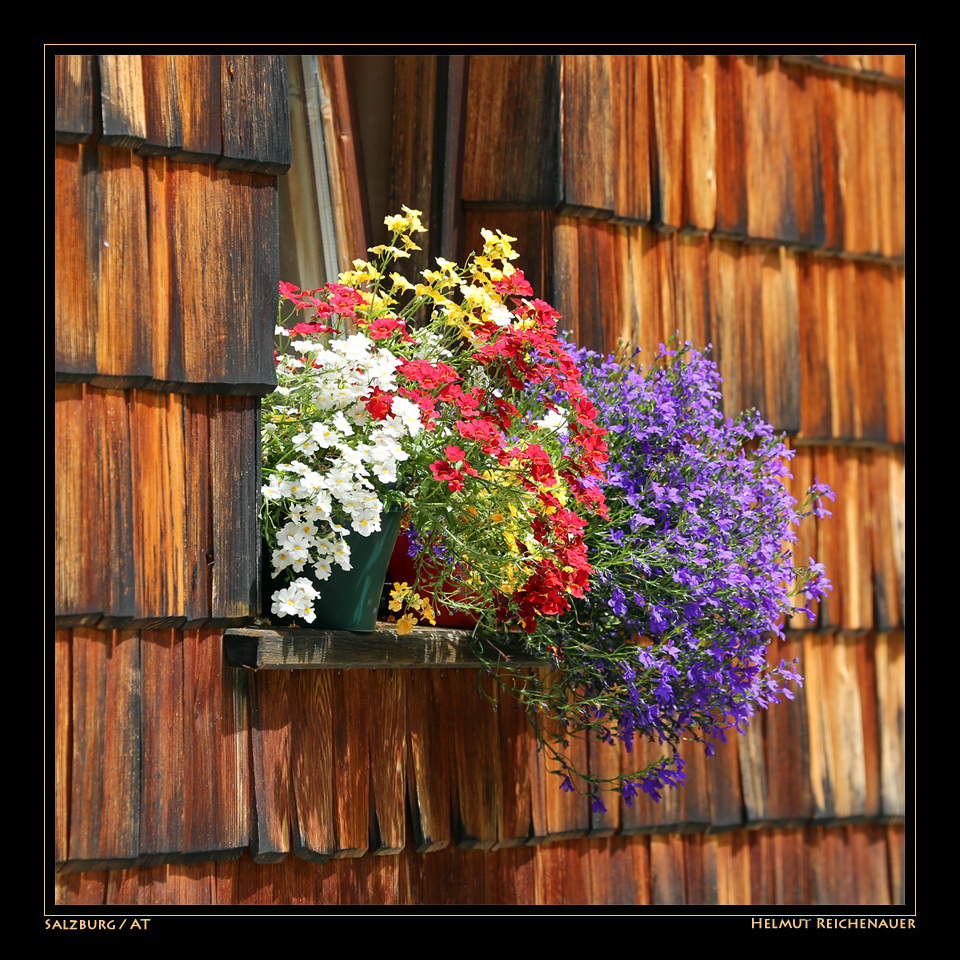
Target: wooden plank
x,y
162,724
271,708
816,663
869,168
161,102
454,76
350,713
511,877
116,496
76,259
723,773
254,278
753,776
877,392
694,797
895,378
413,168
896,857
898,503
82,889
566,815
802,468
215,805
841,692
762,884
73,98
733,868
198,83
431,763
864,654
599,286
563,873
122,108
158,467
863,584
830,548
817,374
564,274
642,291
620,875
868,851
313,707
786,745
700,143
588,136
633,135
700,868
781,337
235,476
77,508
843,305
198,554
805,159
297,648
603,761
624,242
475,734
852,538
667,869
770,204
664,277
898,172
791,867
513,150
62,745
826,92
694,296
222,213
667,154
387,689
519,772
345,161
880,522
167,332
779,344
750,334
885,103
124,321
891,711
105,767
735,76
255,113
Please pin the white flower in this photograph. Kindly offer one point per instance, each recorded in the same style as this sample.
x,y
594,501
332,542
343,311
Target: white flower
x,y
553,420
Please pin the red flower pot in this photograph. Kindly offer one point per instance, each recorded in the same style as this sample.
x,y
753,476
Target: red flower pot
x,y
402,569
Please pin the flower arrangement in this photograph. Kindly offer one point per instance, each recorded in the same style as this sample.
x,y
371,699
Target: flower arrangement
x,y
692,572
587,511
457,421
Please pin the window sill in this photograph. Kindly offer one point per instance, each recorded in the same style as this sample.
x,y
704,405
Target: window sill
x,y
292,648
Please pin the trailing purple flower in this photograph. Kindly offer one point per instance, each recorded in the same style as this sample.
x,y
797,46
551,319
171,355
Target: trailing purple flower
x,y
693,573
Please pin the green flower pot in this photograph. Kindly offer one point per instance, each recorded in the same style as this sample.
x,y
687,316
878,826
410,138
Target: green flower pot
x,y
349,599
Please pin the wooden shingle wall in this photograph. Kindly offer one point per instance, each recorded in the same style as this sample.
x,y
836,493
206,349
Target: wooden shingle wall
x,y
755,203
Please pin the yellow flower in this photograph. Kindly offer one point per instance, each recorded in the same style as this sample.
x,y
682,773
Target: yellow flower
x,y
405,624
383,248
400,283
408,224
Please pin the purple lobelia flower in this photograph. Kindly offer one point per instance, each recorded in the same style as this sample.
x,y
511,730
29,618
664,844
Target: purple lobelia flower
x,y
693,573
